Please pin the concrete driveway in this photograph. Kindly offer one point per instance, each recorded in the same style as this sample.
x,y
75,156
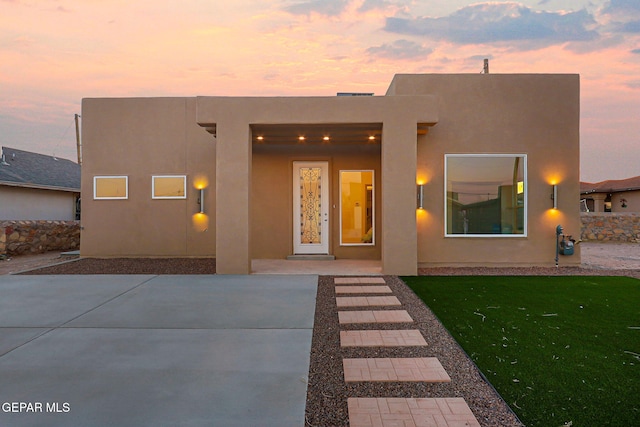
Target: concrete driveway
x,y
155,350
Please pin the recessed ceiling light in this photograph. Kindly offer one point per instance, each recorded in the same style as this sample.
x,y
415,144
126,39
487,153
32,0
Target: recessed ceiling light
x,y
371,138
325,138
260,138
301,138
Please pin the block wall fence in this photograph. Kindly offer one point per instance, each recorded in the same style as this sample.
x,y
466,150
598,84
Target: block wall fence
x,y
34,237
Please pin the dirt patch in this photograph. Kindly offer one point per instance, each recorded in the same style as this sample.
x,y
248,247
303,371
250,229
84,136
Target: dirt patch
x,y
610,256
18,263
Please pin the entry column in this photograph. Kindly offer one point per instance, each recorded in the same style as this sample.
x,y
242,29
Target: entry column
x,y
233,196
598,202
399,233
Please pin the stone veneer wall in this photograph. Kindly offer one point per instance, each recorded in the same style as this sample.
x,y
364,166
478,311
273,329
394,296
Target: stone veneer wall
x,y
610,227
32,237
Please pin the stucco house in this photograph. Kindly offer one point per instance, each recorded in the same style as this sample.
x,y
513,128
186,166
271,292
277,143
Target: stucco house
x,y
443,170
617,195
38,187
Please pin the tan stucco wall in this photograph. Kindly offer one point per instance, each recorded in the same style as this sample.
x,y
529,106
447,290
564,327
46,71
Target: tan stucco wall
x,y
19,203
272,196
142,137
536,115
632,199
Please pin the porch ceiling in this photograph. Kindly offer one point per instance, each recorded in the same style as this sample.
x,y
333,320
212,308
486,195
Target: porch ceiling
x,y
317,134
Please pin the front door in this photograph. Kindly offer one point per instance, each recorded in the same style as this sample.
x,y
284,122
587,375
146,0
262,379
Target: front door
x,y
310,207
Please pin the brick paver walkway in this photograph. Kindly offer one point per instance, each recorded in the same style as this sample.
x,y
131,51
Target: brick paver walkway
x,y
374,316
358,280
366,301
382,338
427,369
388,411
420,412
363,290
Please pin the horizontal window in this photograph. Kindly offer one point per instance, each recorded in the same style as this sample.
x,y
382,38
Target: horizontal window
x,y
169,187
486,195
110,187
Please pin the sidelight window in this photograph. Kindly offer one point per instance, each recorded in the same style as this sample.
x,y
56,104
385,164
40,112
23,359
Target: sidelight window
x,y
357,221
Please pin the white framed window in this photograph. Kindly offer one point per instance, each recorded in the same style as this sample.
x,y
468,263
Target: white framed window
x,y
357,208
169,187
111,187
485,195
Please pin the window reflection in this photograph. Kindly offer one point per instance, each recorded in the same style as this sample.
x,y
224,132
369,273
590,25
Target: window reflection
x,y
486,194
110,187
356,208
169,187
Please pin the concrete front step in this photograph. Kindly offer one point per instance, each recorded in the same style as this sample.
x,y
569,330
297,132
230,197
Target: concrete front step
x,y
311,257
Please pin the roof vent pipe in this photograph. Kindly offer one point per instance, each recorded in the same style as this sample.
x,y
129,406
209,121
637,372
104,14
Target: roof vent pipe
x,y
4,160
485,68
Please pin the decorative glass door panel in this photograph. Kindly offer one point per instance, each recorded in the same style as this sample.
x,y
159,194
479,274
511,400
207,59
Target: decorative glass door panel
x,y
310,205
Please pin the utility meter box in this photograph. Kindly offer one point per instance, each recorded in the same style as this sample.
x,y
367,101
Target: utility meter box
x,y
566,246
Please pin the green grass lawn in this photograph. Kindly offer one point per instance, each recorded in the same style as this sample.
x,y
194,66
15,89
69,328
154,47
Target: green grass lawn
x,y
559,350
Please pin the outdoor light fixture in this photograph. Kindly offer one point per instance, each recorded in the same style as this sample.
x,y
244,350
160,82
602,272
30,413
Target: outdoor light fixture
x,y
554,196
201,201
420,196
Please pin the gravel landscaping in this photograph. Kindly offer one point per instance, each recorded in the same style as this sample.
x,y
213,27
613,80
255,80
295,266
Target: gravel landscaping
x,y
131,266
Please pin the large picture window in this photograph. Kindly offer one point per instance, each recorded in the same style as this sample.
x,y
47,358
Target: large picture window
x,y
486,195
110,187
357,208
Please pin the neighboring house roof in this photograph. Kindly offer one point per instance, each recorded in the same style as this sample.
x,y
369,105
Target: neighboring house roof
x,y
25,169
611,186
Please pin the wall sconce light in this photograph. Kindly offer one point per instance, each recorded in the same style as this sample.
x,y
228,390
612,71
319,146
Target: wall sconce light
x,y
554,196
420,196
201,201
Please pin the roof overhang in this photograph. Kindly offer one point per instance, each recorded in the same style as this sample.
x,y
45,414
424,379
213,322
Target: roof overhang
x,y
609,190
39,187
351,119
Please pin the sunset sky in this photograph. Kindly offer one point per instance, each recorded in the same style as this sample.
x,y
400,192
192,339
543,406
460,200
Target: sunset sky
x,y
54,53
